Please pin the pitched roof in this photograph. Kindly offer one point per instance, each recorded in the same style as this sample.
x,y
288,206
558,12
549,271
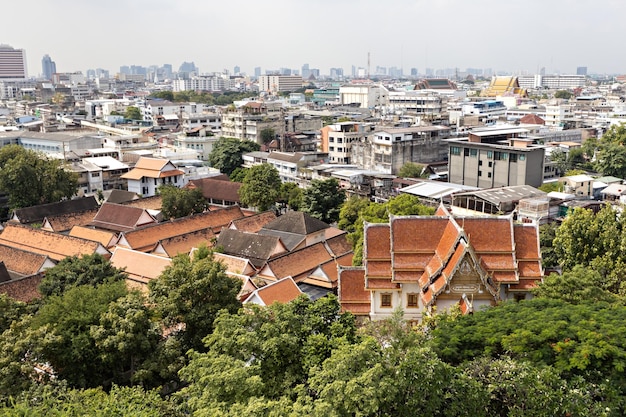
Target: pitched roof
x,y
36,214
151,168
234,264
120,196
121,218
216,189
291,240
353,296
281,291
145,238
64,222
184,243
296,222
297,264
141,267
254,223
106,238
54,245
23,262
339,245
22,289
257,248
154,202
532,119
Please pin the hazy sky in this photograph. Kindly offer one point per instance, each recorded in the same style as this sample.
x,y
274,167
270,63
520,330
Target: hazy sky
x,y
511,35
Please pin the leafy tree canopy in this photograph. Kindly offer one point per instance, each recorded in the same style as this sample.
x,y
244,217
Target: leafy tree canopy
x,y
189,294
563,94
226,153
76,271
412,170
30,178
290,195
323,199
261,187
133,113
181,202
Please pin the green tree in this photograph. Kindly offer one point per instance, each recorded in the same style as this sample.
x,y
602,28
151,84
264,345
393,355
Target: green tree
x,y
261,187
559,158
611,160
563,94
75,271
267,135
181,202
165,95
189,294
133,113
68,346
290,195
126,335
581,284
238,175
30,178
226,154
323,199
548,187
412,170
349,212
547,233
12,311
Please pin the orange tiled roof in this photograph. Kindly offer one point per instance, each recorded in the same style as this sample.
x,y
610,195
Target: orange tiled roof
x,y
235,265
64,222
141,267
353,296
106,238
281,291
254,223
22,261
23,289
186,242
300,262
56,246
339,244
145,238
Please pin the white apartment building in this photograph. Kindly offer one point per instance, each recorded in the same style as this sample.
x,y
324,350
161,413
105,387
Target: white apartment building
x,y
367,96
414,102
557,113
12,63
214,82
278,83
337,139
555,81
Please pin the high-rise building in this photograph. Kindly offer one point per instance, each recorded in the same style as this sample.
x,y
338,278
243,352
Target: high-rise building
x,y
236,70
257,72
12,62
48,67
581,71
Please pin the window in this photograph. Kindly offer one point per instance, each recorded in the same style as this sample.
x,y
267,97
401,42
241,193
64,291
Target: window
x,y
331,140
489,175
489,154
411,300
473,152
522,157
480,163
385,300
480,173
455,150
501,156
466,152
490,164
513,157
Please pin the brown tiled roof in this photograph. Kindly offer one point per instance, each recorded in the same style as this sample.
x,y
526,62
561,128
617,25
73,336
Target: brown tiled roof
x,y
145,238
296,222
257,248
377,241
151,168
234,264
121,196
106,238
254,223
121,218
141,267
217,189
353,296
299,263
22,261
184,243
281,291
339,245
154,202
532,119
36,214
65,222
54,245
22,289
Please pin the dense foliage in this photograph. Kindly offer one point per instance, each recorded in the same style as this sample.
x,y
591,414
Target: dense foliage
x,y
30,178
323,199
226,154
181,202
261,187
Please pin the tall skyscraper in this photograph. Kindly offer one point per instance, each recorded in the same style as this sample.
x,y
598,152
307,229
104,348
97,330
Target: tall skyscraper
x,y
12,62
581,71
48,67
257,72
237,70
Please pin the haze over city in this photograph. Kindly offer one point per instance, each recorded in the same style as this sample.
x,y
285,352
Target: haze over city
x,y
514,36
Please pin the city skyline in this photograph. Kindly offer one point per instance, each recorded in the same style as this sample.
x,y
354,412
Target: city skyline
x,y
513,36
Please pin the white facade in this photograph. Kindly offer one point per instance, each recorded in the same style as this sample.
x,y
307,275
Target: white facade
x,y
278,83
368,96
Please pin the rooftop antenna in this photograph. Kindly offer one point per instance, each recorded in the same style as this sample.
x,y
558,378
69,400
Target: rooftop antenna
x,y
368,65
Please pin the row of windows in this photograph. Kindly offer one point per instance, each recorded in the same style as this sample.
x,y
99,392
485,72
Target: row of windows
x,y
498,156
412,300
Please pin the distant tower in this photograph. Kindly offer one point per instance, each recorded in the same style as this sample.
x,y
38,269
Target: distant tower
x,y
48,67
236,70
581,71
368,65
12,62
